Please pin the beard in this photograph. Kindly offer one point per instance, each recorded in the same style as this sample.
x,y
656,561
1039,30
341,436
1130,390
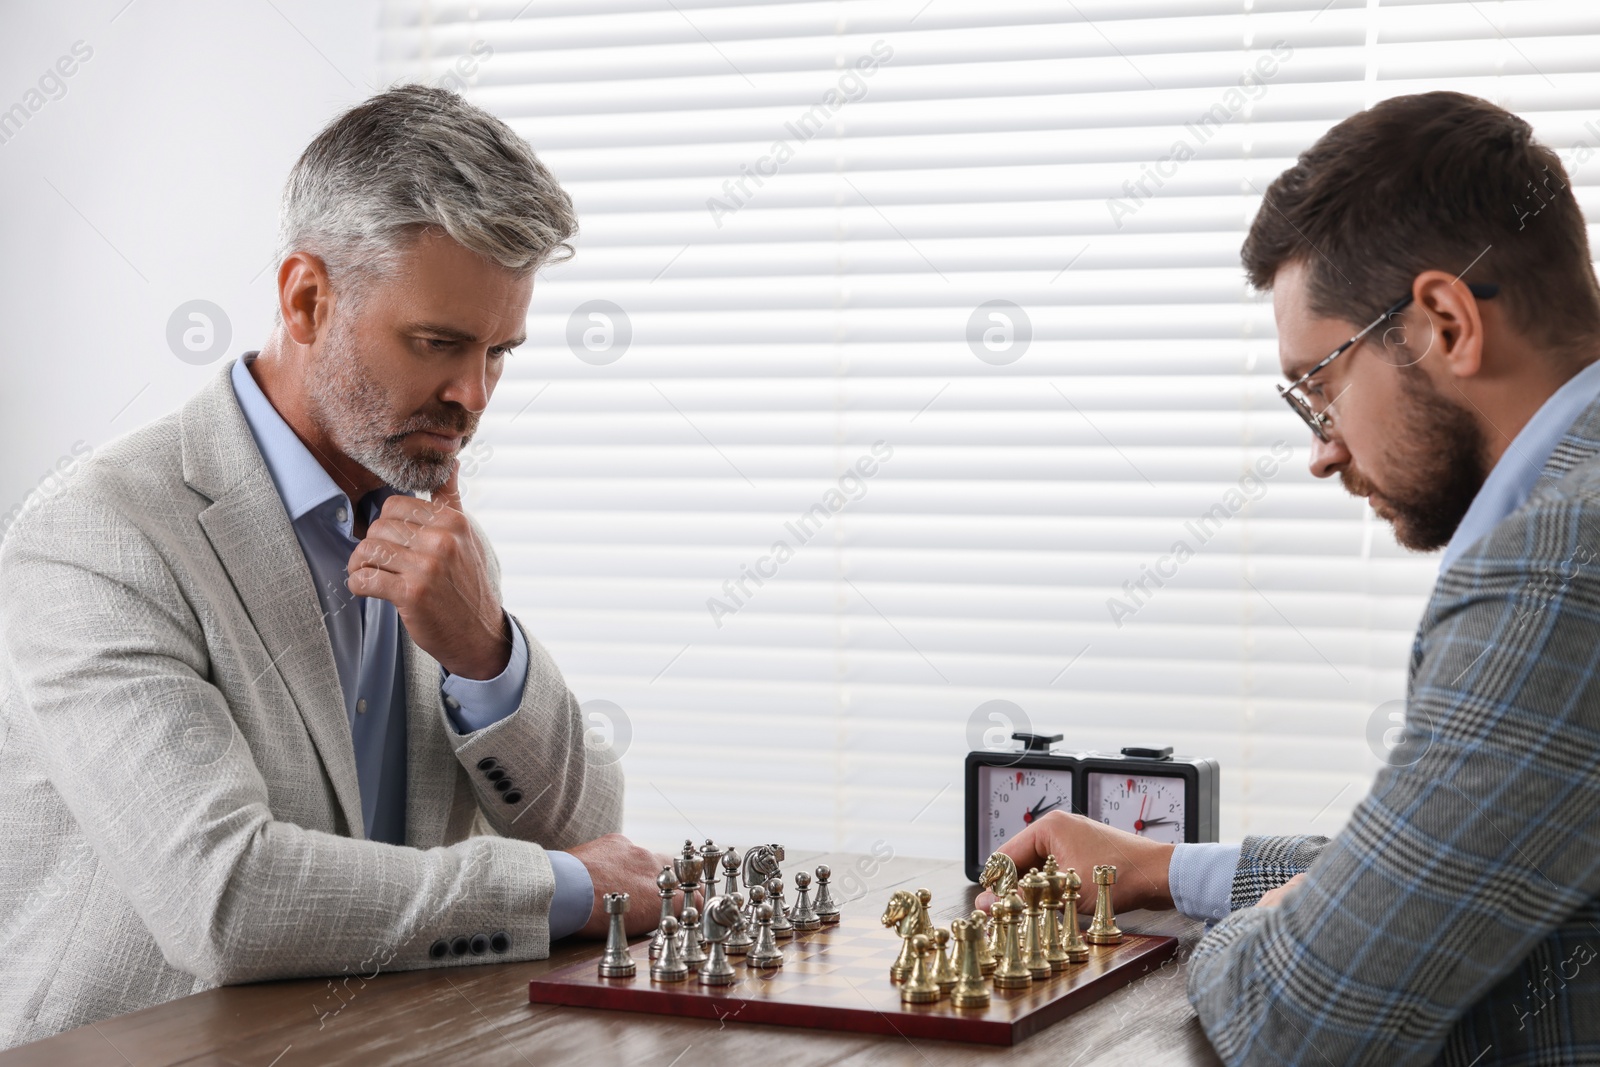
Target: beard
x,y
353,410
1442,463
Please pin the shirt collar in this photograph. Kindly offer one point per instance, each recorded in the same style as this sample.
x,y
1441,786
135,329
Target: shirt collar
x,y
303,483
1511,482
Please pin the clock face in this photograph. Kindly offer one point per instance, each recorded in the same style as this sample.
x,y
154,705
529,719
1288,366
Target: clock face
x,y
1012,797
1145,804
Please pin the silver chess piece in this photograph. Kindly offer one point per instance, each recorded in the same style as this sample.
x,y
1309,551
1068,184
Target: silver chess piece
x,y
826,907
781,926
762,862
615,961
756,898
719,921
803,915
764,954
730,872
739,939
710,866
694,951
687,868
667,883
670,967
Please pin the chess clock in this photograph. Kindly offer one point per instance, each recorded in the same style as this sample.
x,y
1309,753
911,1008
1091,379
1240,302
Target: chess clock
x,y
1143,790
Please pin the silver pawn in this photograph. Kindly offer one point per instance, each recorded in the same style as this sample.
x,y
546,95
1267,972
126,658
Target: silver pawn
x,y
782,928
827,909
722,915
694,952
615,961
670,967
758,897
667,882
739,939
764,954
803,915
730,872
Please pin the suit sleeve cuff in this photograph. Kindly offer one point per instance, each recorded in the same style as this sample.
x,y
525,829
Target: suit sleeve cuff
x,y
473,704
1201,879
574,896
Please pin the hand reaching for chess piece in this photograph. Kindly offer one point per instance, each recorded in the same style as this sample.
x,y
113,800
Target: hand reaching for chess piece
x,y
617,865
1080,842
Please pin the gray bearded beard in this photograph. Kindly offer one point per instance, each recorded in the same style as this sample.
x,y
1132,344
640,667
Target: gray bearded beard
x,y
351,408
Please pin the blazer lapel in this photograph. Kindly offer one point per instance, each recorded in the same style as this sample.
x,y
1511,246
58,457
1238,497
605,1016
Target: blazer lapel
x,y
250,533
431,763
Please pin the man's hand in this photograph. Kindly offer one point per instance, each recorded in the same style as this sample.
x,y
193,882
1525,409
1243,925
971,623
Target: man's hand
x,y
1273,897
617,865
1080,842
425,559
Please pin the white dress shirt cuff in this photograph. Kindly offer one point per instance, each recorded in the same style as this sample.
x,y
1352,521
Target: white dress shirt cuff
x,y
1201,879
473,704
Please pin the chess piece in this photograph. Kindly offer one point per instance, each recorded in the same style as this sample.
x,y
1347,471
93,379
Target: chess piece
x,y
739,939
985,944
670,967
730,872
902,914
1072,942
667,883
1103,930
721,918
1055,889
762,862
999,875
919,986
1011,972
803,917
756,898
765,953
687,868
782,928
944,972
971,991
710,866
924,924
615,961
827,910
694,952
1032,889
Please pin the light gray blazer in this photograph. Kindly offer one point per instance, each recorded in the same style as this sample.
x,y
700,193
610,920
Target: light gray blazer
x,y
178,798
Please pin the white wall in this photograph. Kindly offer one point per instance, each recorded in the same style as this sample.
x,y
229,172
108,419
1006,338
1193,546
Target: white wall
x,y
151,179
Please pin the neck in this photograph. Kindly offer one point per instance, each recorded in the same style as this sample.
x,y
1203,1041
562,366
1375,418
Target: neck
x,y
1504,403
280,372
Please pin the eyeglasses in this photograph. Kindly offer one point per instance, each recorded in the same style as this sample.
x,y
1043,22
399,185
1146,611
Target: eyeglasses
x,y
1314,411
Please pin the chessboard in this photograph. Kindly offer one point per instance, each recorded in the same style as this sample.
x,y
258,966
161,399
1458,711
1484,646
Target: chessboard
x,y
837,978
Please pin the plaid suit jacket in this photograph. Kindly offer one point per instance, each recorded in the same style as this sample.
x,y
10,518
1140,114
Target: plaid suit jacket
x,y
1456,919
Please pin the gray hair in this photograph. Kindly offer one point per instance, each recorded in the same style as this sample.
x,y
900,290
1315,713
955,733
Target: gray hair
x,y
415,158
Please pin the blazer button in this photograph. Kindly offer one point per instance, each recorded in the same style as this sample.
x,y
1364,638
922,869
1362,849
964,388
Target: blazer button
x,y
502,784
480,944
513,797
487,763
500,941
459,946
439,949
495,775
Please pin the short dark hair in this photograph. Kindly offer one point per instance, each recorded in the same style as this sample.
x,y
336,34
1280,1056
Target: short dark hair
x,y
1428,182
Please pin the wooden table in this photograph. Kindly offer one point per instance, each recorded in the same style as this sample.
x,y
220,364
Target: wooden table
x,y
481,1015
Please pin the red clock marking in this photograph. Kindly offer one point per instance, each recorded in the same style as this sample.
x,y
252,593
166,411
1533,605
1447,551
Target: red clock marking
x,y
1019,777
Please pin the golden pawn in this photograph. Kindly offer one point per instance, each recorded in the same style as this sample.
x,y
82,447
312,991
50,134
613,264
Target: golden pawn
x,y
919,986
1054,924
1032,888
971,991
1103,930
986,956
1072,942
944,971
1010,972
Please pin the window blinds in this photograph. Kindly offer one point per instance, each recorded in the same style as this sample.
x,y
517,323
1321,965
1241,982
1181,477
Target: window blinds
x,y
906,366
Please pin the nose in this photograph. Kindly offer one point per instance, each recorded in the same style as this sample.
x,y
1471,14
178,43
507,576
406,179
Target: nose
x,y
470,386
1328,457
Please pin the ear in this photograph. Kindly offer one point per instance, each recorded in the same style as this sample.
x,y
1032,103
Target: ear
x,y
1456,343
304,296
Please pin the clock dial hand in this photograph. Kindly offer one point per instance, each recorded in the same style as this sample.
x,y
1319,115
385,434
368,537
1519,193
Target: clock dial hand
x,y
1139,823
1040,808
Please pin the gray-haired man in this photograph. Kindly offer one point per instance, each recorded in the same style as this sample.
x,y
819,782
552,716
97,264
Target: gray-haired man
x,y
261,712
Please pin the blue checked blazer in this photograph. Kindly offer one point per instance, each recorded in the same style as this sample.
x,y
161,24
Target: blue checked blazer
x,y
1456,919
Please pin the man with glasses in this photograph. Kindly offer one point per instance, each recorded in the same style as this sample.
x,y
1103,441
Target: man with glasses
x,y
1456,918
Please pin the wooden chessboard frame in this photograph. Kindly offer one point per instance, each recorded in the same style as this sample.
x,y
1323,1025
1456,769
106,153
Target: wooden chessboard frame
x,y
837,978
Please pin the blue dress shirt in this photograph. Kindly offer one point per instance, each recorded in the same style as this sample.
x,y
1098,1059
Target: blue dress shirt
x,y
365,635
1201,876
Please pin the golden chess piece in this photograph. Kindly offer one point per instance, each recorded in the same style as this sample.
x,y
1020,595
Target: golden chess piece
x,y
1103,930
986,957
903,913
1032,889
971,991
1010,972
1072,942
944,971
919,986
1054,921
924,923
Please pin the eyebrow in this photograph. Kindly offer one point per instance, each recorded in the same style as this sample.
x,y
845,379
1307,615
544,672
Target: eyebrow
x,y
450,333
